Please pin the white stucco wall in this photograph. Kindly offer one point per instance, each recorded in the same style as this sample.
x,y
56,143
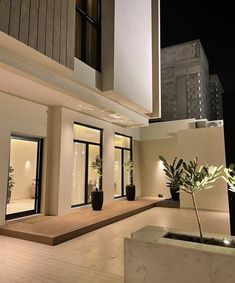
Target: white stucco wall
x,y
60,178
22,117
133,51
208,145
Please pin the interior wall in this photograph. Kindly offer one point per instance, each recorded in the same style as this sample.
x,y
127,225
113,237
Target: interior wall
x,y
23,159
22,117
208,145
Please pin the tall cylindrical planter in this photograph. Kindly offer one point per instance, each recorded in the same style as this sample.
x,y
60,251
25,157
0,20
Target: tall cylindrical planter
x,y
130,192
175,193
97,200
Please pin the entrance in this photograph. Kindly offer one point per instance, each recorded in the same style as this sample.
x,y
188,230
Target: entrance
x,y
24,177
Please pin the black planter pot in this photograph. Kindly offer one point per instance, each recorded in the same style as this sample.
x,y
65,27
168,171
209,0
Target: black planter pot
x,y
130,192
175,193
97,200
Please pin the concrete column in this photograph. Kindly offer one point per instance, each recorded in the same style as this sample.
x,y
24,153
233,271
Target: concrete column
x,y
5,139
108,165
60,161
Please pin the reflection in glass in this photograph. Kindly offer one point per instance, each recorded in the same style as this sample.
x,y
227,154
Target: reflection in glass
x,y
22,171
127,157
78,189
91,45
122,141
94,150
87,134
118,173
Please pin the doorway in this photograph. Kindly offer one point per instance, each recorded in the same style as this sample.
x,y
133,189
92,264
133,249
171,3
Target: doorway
x,y
24,177
123,153
87,146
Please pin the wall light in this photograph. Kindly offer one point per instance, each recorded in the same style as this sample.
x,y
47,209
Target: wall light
x,y
161,164
27,164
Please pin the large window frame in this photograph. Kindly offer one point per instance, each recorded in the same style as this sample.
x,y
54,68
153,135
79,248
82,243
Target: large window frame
x,y
38,180
123,149
96,24
87,144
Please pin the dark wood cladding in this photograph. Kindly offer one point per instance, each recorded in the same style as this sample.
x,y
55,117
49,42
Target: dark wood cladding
x,y
45,25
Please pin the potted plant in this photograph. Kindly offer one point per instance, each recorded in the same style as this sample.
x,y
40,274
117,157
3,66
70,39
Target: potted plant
x,y
10,183
130,188
215,251
230,177
194,179
173,172
97,194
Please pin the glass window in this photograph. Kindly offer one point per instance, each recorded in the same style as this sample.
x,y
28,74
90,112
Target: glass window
x,y
122,141
23,190
118,173
94,150
123,153
78,189
87,146
86,134
87,39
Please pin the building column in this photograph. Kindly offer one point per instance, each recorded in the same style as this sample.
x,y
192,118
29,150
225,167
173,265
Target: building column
x,y
59,162
5,138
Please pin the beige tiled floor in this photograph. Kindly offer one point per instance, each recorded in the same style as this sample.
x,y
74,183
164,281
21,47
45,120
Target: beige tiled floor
x,y
95,257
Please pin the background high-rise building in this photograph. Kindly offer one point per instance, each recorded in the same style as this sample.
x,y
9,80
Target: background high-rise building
x,y
216,91
185,82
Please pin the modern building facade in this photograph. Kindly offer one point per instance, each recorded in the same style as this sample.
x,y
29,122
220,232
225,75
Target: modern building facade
x,y
216,91
76,81
185,82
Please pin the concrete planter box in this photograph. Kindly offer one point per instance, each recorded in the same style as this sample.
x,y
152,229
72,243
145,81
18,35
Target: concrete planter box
x,y
150,258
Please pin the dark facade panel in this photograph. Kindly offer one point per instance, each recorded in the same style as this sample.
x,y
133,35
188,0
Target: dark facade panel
x,y
5,6
45,25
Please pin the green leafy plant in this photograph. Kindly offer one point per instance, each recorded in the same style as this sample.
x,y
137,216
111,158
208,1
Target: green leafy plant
x,y
129,167
173,171
173,175
96,165
230,177
11,178
195,179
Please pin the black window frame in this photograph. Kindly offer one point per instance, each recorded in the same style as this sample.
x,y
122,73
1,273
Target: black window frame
x,y
87,143
38,184
122,148
97,25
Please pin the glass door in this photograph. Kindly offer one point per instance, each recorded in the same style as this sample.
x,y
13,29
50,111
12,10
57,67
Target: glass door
x,y
87,145
24,177
84,177
123,153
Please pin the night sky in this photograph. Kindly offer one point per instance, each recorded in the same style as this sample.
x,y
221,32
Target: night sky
x,y
213,22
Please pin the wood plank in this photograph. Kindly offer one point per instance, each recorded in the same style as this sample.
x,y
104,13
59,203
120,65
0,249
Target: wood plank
x,y
15,18
53,230
5,6
24,22
63,32
33,24
56,31
49,28
42,26
71,34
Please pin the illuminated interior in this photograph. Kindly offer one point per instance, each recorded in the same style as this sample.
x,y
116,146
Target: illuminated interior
x,y
87,145
123,153
23,161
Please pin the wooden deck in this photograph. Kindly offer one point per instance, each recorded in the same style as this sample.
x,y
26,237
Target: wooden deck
x,y
53,230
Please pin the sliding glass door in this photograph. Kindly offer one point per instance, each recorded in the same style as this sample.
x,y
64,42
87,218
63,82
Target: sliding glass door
x,y
24,179
87,145
123,153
